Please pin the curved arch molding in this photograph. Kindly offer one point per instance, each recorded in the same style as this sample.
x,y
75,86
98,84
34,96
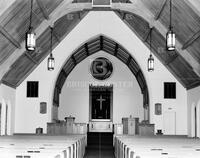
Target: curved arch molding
x,y
93,46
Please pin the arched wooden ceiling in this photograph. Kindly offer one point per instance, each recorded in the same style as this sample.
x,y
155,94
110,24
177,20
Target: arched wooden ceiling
x,y
93,46
16,63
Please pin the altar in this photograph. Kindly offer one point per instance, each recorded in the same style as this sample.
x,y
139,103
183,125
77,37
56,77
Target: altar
x,y
101,108
101,126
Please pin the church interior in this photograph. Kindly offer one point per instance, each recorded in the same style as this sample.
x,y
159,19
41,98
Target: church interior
x,y
99,78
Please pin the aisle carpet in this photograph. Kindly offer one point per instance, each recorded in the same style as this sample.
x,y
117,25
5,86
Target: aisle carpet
x,y
100,145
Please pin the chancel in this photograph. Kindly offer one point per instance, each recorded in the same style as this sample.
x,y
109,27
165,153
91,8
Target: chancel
x,y
104,97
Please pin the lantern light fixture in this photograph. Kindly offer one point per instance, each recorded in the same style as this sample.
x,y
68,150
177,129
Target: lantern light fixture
x,y
51,60
30,34
150,59
170,36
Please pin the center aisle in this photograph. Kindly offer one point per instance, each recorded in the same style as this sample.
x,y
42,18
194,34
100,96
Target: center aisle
x,y
100,145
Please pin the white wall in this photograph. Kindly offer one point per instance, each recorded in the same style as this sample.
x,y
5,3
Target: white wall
x,y
127,99
7,97
193,99
95,23
28,116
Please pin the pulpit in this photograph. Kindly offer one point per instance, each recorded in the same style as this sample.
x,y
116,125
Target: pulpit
x,y
130,125
66,127
69,124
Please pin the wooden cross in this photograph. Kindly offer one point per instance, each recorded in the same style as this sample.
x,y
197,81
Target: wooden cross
x,y
101,101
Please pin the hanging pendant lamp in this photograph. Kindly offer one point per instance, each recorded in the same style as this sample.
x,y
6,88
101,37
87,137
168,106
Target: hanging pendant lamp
x,y
30,34
51,60
150,59
170,36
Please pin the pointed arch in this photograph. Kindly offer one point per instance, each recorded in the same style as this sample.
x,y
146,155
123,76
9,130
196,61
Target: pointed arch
x,y
111,47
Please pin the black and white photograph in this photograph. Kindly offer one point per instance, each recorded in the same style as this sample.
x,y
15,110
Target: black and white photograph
x,y
99,78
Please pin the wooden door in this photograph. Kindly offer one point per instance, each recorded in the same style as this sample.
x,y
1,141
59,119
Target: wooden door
x,y
169,123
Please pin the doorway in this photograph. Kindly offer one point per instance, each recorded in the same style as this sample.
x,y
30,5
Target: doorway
x,y
169,123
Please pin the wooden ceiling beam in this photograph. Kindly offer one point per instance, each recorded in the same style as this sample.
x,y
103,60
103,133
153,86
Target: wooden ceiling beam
x,y
124,16
147,35
54,33
31,58
158,14
137,7
9,37
191,40
43,9
8,84
171,59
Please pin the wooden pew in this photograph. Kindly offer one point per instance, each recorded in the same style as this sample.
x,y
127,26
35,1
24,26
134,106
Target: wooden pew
x,y
155,147
71,146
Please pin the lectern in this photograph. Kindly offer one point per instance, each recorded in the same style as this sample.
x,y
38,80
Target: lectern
x,y
69,122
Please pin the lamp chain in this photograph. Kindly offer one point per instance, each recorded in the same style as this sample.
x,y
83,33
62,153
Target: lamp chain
x,y
51,38
31,14
150,40
170,14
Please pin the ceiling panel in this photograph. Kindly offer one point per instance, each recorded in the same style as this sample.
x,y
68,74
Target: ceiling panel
x,y
195,49
184,71
18,25
6,48
140,26
153,5
18,71
65,24
51,5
